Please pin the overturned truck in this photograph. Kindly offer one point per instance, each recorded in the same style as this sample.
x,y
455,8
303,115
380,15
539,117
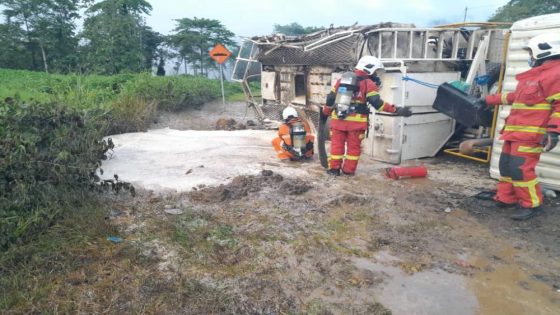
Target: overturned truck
x,y
300,70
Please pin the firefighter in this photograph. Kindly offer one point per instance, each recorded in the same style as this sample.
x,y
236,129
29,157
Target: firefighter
x,y
532,126
348,106
295,140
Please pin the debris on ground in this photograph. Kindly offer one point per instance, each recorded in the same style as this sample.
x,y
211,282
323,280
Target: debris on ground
x,y
242,186
114,239
173,211
229,124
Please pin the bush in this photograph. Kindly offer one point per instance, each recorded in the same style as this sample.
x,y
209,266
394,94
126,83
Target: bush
x,y
48,156
174,93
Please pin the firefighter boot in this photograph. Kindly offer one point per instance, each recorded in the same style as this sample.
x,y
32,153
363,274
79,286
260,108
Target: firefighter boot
x,y
504,205
334,172
526,213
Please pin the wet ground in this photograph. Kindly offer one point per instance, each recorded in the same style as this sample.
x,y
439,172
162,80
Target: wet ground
x,y
284,238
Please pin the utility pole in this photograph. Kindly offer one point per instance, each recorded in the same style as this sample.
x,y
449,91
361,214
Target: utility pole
x,y
465,18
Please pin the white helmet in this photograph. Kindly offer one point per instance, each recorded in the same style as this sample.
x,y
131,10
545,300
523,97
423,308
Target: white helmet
x,y
544,45
369,64
289,111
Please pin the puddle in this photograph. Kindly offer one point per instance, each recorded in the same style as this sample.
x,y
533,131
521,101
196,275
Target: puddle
x,y
494,288
508,289
433,292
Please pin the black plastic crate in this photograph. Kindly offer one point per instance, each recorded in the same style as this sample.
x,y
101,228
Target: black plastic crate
x,y
466,109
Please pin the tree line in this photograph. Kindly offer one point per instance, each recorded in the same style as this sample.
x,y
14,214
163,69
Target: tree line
x,y
43,35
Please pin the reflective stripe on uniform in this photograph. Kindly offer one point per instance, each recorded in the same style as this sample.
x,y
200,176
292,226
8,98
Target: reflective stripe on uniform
x,y
505,179
524,149
555,115
542,106
381,108
534,196
531,129
531,187
352,157
373,93
357,118
504,98
553,97
336,157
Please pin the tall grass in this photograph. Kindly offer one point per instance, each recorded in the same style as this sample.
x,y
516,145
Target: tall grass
x,y
93,91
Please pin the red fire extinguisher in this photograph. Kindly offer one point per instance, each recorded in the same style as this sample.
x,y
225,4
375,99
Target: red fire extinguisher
x,y
398,172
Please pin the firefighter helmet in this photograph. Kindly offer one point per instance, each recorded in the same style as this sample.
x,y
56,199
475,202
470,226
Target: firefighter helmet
x,y
369,64
289,111
544,45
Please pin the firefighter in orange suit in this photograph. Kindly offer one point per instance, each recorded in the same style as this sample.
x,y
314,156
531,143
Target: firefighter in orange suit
x,y
347,105
532,126
295,140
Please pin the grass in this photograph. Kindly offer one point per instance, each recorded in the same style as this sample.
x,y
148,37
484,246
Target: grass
x,y
31,272
92,91
73,268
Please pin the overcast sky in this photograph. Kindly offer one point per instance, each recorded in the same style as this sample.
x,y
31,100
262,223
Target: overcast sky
x,y
257,17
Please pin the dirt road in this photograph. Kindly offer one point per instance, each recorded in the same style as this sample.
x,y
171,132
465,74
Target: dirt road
x,y
273,241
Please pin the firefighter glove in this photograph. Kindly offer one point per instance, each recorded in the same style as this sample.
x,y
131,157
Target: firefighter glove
x,y
290,149
403,111
550,141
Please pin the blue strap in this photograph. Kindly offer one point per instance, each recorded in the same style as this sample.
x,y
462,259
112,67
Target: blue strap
x,y
482,80
426,84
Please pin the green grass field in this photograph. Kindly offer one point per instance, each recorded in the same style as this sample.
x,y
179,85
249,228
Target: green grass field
x,y
171,93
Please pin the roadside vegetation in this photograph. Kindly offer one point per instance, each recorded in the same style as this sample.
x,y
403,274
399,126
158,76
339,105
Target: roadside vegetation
x,y
51,130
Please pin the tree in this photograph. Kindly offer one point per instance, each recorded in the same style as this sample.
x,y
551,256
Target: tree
x,y
47,30
151,42
14,51
163,53
114,32
193,38
294,29
520,9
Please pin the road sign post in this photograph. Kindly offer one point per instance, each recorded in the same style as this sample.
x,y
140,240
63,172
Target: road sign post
x,y
222,83
220,54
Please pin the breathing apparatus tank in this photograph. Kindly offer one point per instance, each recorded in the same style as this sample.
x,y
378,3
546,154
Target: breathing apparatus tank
x,y
298,135
346,88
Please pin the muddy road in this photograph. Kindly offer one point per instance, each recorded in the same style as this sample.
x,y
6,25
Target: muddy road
x,y
283,238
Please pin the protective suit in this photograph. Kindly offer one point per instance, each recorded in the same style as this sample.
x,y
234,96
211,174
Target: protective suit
x,y
295,139
348,131
533,123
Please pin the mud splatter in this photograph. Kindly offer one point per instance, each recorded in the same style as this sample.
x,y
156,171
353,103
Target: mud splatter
x,y
242,186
